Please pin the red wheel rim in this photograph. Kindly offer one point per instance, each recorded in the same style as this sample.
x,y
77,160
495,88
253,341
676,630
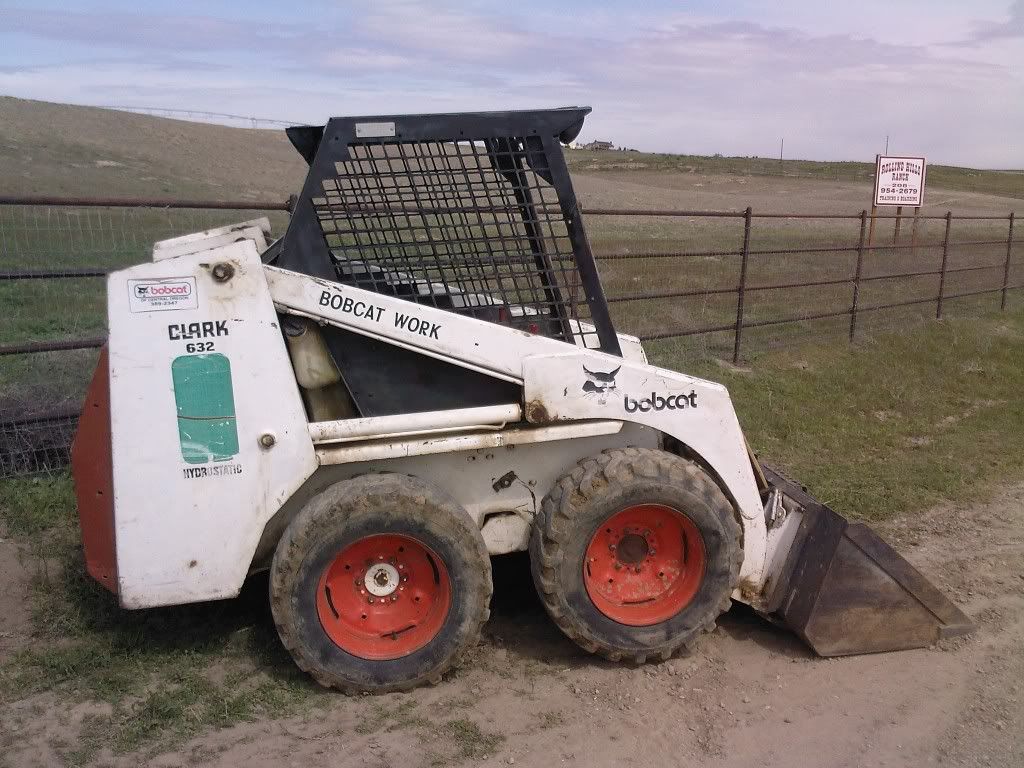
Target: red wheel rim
x,y
383,597
644,564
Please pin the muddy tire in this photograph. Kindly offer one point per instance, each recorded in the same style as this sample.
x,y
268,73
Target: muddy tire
x,y
379,584
635,554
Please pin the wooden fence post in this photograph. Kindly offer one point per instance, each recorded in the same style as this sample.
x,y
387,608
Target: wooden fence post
x,y
945,262
856,274
913,232
1006,266
741,289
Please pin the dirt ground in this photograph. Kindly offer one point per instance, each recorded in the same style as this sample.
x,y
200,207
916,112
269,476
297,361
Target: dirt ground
x,y
750,695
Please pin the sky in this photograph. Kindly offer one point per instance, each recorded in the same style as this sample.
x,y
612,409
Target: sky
x,y
941,78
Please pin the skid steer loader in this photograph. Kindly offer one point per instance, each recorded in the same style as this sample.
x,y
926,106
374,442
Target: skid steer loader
x,y
421,373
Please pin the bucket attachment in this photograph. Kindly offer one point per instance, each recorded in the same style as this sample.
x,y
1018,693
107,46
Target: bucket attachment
x,y
845,591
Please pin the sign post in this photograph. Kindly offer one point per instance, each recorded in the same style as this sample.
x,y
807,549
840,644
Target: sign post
x,y
899,181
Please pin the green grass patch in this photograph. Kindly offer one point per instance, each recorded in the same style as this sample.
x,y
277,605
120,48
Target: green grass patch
x,y
32,508
1006,183
167,674
892,425
471,742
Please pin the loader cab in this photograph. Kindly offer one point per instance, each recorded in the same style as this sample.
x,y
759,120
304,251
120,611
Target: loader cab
x,y
471,213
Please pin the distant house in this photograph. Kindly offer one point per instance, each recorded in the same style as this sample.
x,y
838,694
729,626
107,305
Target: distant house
x,y
604,145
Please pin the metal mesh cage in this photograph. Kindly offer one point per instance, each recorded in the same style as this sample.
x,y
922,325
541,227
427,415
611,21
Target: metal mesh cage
x,y
465,226
468,213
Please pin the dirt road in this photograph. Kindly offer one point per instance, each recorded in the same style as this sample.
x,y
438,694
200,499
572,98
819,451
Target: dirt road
x,y
751,695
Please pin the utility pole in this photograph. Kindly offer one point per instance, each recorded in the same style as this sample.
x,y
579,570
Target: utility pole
x,y
887,143
782,146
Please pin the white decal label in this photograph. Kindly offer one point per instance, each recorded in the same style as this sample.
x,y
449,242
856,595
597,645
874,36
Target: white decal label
x,y
374,130
162,295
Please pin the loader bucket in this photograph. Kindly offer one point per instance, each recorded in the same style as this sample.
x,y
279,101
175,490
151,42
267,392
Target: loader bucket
x,y
845,591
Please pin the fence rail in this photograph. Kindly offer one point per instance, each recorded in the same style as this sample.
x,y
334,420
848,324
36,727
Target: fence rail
x,y
742,273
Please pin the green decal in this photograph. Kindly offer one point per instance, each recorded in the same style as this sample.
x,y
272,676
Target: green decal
x,y
206,408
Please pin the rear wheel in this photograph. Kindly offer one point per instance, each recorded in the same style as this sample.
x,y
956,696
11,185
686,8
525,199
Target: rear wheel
x,y
379,583
635,553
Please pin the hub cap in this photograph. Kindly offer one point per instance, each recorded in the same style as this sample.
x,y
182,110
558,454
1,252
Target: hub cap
x,y
644,565
383,597
381,579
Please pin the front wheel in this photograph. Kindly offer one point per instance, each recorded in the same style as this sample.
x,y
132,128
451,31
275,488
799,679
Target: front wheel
x,y
379,584
635,553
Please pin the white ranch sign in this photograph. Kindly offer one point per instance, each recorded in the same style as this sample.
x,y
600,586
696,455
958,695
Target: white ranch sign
x,y
899,180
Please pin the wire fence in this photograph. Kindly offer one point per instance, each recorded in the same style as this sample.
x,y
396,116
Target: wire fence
x,y
691,284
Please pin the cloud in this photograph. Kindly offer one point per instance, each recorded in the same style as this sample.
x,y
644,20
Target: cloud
x,y
1012,28
670,82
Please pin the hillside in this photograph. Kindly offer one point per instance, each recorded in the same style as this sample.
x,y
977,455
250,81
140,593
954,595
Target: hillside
x,y
61,149
70,150
1001,183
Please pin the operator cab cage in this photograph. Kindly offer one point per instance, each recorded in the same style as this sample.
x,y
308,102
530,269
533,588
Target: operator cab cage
x,y
473,213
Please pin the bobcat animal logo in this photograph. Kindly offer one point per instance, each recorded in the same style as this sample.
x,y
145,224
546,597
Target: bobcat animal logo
x,y
599,381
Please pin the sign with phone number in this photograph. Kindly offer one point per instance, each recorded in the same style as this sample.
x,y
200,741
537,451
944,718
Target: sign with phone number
x,y
899,180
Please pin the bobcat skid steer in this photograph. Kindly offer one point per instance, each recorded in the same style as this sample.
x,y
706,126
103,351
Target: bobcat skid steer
x,y
422,373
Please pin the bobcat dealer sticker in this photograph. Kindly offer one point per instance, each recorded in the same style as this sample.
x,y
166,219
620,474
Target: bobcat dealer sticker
x,y
162,295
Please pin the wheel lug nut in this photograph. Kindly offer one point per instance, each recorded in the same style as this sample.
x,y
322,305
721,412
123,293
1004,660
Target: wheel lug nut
x,y
370,600
637,569
611,547
394,598
618,567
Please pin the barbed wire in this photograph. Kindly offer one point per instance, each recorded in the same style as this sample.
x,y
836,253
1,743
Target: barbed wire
x,y
203,115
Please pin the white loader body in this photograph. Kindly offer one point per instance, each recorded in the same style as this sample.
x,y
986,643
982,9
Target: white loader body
x,y
189,530
424,372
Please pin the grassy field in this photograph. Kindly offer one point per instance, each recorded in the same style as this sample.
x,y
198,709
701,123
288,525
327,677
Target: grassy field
x,y
59,149
1003,183
889,427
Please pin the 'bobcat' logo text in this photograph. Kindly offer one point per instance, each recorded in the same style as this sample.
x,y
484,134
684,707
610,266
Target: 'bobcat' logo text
x,y
658,402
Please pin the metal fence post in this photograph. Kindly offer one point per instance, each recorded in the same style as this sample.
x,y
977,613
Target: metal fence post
x,y
1006,266
856,274
741,289
945,261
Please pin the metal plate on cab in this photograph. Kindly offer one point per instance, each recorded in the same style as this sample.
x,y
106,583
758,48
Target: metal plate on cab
x,y
374,130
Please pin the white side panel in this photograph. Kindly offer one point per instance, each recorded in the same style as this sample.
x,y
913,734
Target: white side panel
x,y
695,411
257,230
188,517
586,337
505,479
559,385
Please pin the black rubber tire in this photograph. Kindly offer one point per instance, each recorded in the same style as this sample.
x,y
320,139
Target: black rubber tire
x,y
582,500
346,512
